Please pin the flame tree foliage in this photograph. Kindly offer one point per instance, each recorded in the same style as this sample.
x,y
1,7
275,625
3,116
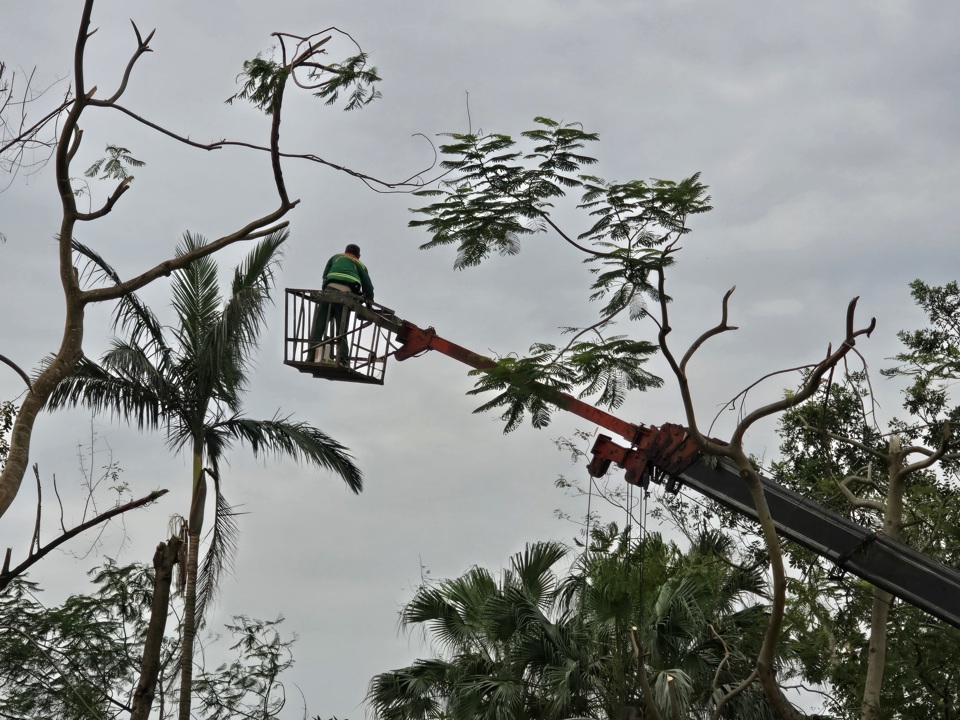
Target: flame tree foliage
x,y
549,640
81,659
499,193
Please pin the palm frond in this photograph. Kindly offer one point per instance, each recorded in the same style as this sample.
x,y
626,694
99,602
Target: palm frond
x,y
238,327
131,313
454,612
534,569
101,390
298,440
196,301
411,693
221,551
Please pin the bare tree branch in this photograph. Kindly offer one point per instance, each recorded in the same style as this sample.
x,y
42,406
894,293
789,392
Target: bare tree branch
x,y
111,201
143,46
34,557
812,382
719,328
26,378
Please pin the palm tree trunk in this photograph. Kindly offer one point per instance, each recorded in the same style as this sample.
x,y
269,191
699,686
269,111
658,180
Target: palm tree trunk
x,y
189,626
194,523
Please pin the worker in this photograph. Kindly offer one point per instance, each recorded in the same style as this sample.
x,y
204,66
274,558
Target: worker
x,y
343,272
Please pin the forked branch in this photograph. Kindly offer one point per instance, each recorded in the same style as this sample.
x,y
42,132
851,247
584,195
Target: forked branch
x,y
812,382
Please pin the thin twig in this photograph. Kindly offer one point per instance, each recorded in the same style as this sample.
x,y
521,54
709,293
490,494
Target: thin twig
x,y
73,532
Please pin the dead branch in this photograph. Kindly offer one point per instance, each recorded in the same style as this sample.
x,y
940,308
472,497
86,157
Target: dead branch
x,y
649,705
143,46
714,689
256,228
26,378
733,693
111,201
35,540
930,459
765,670
812,382
719,328
742,395
33,557
854,499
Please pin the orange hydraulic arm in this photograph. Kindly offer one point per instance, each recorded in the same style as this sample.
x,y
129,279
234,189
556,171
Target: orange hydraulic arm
x,y
667,448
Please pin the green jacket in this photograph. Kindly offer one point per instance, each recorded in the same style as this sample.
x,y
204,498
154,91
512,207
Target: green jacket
x,y
347,269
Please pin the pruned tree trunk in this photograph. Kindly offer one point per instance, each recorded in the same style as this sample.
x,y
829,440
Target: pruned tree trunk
x,y
882,601
876,655
163,561
194,525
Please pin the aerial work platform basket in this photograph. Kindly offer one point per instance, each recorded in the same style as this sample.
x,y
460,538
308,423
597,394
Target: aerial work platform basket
x,y
366,331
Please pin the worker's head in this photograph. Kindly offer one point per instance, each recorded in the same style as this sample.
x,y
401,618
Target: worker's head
x,y
353,250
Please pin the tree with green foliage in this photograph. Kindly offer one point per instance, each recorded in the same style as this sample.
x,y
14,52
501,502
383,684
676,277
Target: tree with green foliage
x,y
190,383
80,659
547,640
899,479
500,189
250,686
498,193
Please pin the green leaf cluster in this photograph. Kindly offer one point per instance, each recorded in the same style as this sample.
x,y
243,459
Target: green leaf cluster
x,y
114,165
933,350
78,659
81,659
538,384
354,76
498,192
263,83
250,686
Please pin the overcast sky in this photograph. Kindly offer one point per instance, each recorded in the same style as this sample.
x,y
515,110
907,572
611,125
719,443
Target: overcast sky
x,y
828,133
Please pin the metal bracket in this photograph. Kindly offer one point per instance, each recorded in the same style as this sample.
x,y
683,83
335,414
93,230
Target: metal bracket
x,y
668,448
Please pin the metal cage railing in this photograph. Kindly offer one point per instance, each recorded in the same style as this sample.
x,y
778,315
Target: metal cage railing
x,y
358,353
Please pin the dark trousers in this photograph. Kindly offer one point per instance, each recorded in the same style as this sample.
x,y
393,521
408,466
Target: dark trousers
x,y
331,320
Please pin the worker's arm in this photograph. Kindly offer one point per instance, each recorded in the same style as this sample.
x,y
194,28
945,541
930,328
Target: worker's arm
x,y
365,282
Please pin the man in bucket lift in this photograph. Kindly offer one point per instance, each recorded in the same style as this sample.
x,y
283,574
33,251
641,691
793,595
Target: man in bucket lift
x,y
343,272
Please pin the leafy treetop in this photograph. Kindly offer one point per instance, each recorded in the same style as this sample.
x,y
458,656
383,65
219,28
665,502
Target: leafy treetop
x,y
499,191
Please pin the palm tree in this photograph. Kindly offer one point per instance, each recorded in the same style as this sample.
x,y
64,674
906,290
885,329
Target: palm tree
x,y
189,381
487,630
548,645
